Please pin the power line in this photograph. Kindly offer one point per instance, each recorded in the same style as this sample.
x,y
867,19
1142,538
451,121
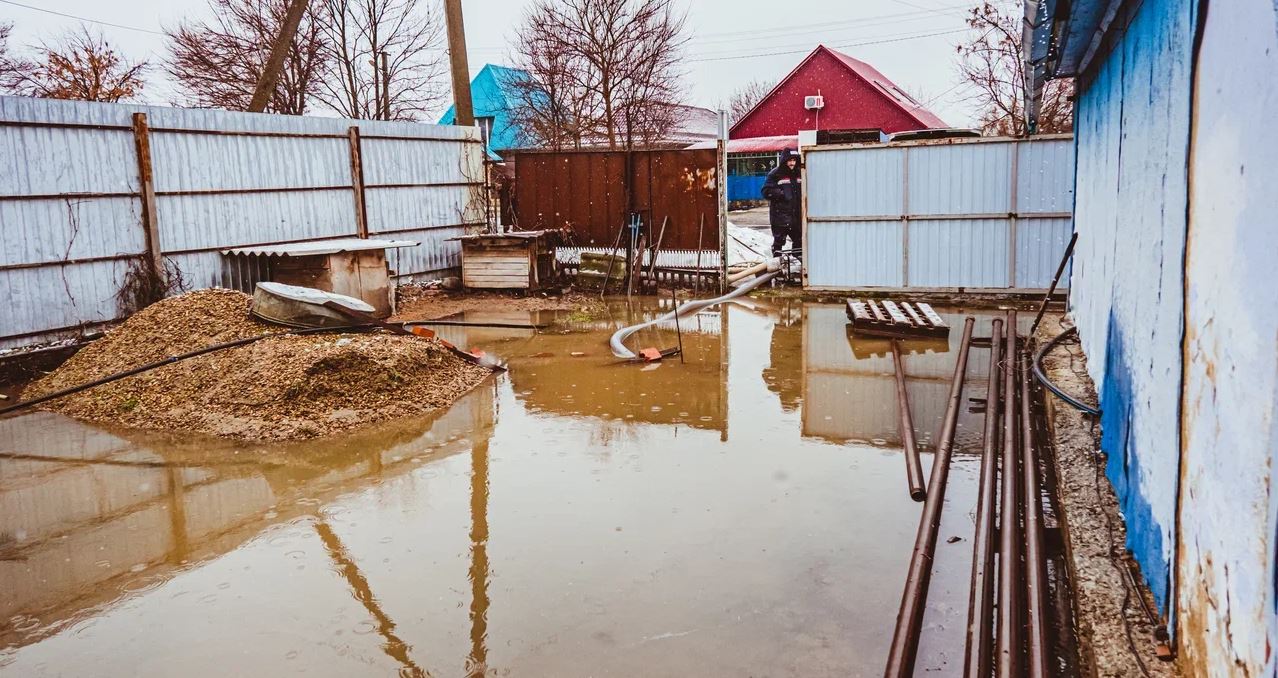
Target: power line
x,y
845,45
876,20
808,43
80,18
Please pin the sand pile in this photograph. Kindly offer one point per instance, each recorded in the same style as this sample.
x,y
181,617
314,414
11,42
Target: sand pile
x,y
281,388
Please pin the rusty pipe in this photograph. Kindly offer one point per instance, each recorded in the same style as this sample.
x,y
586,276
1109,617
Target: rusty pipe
x,y
1038,651
1010,584
980,610
909,620
913,466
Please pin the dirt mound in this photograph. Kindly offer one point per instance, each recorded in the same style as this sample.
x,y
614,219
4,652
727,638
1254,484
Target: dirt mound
x,y
279,388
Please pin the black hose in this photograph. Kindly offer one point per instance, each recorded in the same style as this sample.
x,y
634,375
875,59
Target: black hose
x,y
168,361
1047,383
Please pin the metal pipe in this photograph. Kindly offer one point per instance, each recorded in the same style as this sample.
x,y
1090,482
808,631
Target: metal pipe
x,y
980,611
617,341
1049,385
1056,279
1010,583
913,467
1038,650
909,620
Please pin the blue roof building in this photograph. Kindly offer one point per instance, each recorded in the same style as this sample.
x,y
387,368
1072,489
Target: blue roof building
x,y
489,93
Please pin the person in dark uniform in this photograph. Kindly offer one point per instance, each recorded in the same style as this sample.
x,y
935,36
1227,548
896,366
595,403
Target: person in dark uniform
x,y
784,191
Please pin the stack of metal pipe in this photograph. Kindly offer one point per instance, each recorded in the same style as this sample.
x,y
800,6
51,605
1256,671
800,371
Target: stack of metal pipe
x,y
1008,629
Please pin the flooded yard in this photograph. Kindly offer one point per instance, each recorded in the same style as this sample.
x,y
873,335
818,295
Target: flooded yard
x,y
743,514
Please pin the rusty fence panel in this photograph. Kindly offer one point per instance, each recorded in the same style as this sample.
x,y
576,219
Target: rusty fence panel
x,y
74,210
592,192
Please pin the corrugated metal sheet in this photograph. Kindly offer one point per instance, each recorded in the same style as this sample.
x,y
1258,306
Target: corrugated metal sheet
x,y
855,254
959,253
586,192
960,178
1039,246
861,183
1044,177
939,214
421,185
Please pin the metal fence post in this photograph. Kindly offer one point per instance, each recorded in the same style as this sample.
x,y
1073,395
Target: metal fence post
x,y
146,191
1013,212
905,217
357,182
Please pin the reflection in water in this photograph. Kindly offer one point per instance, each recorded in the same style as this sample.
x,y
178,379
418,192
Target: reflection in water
x,y
784,373
603,522
478,662
346,565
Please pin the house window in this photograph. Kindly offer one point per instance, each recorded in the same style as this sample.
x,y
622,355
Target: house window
x,y
485,127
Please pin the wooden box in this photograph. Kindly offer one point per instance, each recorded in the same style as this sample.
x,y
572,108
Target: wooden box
x,y
508,261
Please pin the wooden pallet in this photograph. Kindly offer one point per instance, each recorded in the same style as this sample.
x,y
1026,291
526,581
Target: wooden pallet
x,y
887,318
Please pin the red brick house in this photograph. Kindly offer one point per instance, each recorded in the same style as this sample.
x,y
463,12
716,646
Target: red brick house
x,y
856,96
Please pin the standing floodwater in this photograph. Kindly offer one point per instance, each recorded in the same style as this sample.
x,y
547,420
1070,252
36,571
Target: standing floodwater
x,y
745,513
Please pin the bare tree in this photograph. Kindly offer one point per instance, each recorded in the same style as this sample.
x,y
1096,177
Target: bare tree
x,y
12,69
82,65
357,33
602,71
218,64
745,98
993,63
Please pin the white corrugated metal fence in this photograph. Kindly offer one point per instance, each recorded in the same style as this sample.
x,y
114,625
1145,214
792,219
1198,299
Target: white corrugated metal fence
x,y
963,213
71,207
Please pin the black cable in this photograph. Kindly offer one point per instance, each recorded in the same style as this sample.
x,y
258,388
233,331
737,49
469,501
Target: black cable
x,y
1047,383
168,361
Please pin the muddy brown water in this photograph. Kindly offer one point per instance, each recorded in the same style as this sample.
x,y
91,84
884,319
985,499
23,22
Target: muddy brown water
x,y
742,514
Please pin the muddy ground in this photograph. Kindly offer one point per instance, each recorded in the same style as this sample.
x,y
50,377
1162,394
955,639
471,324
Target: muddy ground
x,y
1115,635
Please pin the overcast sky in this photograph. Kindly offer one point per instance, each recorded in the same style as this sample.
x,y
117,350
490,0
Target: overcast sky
x,y
731,41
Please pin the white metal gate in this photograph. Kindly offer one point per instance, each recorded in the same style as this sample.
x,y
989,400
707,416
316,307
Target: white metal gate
x,y
975,214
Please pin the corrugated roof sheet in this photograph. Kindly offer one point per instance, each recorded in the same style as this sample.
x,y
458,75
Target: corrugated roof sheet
x,y
317,247
754,145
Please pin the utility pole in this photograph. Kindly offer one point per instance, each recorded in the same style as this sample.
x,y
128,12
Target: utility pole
x,y
463,110
274,64
385,87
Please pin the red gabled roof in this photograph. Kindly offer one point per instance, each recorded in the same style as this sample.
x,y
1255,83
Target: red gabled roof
x,y
873,76
891,92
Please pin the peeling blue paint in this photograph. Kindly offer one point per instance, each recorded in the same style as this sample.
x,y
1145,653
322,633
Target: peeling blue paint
x,y
1133,120
1122,467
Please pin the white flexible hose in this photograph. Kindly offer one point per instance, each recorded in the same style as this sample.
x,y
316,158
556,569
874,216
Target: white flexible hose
x,y
688,307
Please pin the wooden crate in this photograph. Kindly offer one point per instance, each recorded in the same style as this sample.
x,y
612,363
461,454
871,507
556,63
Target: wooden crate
x,y
508,261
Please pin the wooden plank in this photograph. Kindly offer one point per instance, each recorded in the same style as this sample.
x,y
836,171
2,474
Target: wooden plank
x,y
916,319
357,182
898,318
932,317
146,180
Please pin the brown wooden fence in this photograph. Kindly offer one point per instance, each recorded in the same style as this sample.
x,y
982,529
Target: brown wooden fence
x,y
593,192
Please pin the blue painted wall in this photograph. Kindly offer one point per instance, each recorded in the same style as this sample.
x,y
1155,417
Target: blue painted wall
x,y
1133,132
488,97
742,187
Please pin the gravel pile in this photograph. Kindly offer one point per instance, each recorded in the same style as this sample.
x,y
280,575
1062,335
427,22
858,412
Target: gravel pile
x,y
281,388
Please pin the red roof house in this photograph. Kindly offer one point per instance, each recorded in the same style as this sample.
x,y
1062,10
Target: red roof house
x,y
856,96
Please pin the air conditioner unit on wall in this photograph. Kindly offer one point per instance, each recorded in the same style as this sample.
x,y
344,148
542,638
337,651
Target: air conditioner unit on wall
x,y
814,103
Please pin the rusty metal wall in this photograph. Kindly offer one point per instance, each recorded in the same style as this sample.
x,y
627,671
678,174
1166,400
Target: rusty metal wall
x,y
586,191
71,217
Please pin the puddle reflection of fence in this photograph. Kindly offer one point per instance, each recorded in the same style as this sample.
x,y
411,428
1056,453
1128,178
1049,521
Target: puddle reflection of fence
x,y
77,534
849,388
